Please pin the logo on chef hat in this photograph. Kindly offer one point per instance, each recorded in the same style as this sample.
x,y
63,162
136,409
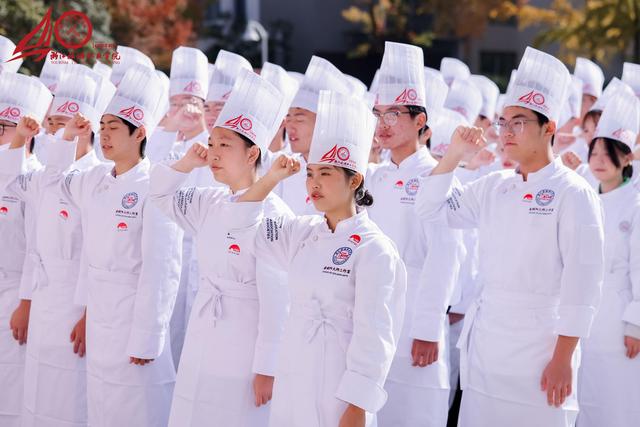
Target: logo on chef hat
x,y
545,197
406,97
342,255
339,156
412,186
129,200
68,107
624,135
355,239
242,125
399,184
11,113
534,98
132,112
3,210
193,87
226,95
122,226
234,249
528,198
64,214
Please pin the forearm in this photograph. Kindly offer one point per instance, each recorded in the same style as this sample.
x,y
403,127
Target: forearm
x,y
565,346
448,164
260,190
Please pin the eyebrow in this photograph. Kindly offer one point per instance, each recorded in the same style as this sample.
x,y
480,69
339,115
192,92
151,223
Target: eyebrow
x,y
517,116
110,121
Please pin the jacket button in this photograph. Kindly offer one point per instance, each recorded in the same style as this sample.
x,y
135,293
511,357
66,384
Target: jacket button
x,y
315,238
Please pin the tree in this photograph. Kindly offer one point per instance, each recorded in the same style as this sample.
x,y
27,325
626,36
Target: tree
x,y
599,29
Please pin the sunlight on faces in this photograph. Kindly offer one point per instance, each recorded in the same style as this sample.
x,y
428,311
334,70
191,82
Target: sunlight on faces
x,y
55,123
329,188
601,164
211,113
9,132
229,157
521,147
299,125
115,141
177,102
405,131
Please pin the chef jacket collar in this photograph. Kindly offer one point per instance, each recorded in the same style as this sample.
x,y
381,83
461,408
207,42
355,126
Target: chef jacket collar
x,y
622,193
419,157
138,171
544,173
346,225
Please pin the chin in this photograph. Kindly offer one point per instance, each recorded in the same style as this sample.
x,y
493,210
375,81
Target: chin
x,y
220,177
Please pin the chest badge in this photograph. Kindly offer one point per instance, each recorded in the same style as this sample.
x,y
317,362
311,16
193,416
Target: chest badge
x,y
399,184
527,198
3,210
342,255
122,226
234,249
355,239
64,214
412,186
545,197
129,200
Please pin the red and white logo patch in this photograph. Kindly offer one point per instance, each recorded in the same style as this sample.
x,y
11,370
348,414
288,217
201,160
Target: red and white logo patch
x,y
11,113
64,214
533,97
338,155
132,112
624,135
355,239
239,122
234,249
406,97
193,87
68,107
3,210
122,227
528,198
399,184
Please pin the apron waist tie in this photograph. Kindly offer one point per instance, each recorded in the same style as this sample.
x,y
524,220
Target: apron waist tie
x,y
218,288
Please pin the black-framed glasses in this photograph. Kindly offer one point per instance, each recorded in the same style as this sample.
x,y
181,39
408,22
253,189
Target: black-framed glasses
x,y
389,118
2,126
513,126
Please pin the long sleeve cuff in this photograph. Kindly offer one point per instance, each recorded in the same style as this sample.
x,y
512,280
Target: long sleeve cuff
x,y
632,330
434,190
575,321
632,313
265,358
361,391
13,161
145,344
427,326
61,154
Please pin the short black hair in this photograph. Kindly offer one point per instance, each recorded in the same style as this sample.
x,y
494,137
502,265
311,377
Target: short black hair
x,y
363,197
414,111
132,129
614,148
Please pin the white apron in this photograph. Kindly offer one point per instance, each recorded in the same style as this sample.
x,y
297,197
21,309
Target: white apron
x,y
608,393
334,350
223,349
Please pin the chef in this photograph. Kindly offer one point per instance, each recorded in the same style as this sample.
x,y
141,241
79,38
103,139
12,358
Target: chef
x,y
346,279
541,260
131,260
55,372
228,364
608,393
20,95
418,383
592,79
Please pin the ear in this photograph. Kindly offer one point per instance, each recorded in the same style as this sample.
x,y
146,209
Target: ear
x,y
421,120
254,154
140,133
551,128
356,180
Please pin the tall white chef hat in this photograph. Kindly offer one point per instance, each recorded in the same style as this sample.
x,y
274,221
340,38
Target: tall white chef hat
x,y
22,95
82,90
253,110
454,69
103,69
573,104
489,91
615,85
128,58
6,53
591,75
500,104
355,85
435,90
343,133
442,130
512,80
631,76
189,72
541,84
55,65
373,87
210,69
140,98
166,83
620,119
320,75
296,75
228,67
401,75
287,85
465,98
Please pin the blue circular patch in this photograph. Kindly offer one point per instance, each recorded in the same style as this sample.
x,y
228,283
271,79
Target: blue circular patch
x,y
342,255
412,186
545,197
130,200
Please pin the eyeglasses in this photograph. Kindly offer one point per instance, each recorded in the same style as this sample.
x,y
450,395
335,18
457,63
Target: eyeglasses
x,y
390,118
2,126
513,126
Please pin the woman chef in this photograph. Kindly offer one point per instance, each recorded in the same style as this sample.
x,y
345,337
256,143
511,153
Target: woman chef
x,y
609,388
227,368
346,280
20,95
541,260
55,378
131,259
